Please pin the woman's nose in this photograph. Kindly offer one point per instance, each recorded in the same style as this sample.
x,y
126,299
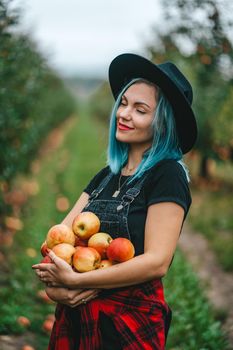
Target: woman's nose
x,y
124,113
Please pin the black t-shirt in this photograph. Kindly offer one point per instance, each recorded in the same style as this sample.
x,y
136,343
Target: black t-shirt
x,y
166,182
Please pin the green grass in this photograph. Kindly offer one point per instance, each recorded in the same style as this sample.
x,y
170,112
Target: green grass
x,y
193,324
211,214
211,210
66,172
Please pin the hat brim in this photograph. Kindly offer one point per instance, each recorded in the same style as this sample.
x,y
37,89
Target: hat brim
x,y
128,66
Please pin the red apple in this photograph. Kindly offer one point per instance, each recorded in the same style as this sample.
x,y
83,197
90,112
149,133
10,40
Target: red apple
x,y
120,250
23,321
27,347
100,241
86,224
43,296
105,263
60,233
86,259
80,242
50,317
46,260
65,251
48,325
43,248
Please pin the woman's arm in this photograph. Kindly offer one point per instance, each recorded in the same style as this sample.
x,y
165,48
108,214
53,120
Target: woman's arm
x,y
162,229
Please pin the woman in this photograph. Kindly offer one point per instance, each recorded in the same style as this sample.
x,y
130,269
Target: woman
x,y
142,195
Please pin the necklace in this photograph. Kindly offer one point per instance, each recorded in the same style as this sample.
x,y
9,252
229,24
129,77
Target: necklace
x,y
127,170
116,193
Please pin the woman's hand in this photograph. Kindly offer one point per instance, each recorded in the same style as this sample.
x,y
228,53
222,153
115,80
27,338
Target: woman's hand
x,y
70,297
58,273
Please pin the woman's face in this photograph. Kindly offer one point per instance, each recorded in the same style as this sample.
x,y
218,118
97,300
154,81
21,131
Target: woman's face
x,y
136,113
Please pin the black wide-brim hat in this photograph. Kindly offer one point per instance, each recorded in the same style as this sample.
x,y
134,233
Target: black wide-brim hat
x,y
173,84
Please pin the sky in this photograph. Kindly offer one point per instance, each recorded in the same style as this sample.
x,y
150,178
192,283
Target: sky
x,y
83,36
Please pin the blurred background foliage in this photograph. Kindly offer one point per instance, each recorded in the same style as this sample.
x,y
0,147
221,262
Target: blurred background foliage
x,y
33,99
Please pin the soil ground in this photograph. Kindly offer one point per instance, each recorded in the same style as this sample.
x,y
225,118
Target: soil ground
x,y
15,342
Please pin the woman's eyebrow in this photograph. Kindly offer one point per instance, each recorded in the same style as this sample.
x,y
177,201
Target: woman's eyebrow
x,y
138,102
142,103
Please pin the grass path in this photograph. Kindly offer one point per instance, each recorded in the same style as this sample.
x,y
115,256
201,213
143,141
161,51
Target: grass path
x,y
61,176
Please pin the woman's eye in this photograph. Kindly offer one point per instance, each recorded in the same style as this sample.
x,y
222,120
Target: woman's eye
x,y
141,112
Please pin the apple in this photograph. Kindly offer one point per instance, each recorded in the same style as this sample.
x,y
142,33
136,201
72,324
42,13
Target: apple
x,y
43,296
48,325
44,248
120,250
60,233
27,347
86,224
65,251
86,259
23,321
100,241
105,263
50,317
46,260
80,242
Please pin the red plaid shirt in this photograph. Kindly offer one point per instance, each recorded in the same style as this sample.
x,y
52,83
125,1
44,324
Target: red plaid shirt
x,y
139,313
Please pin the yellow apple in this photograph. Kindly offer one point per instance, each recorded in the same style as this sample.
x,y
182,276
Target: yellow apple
x,y
100,241
86,224
86,259
60,233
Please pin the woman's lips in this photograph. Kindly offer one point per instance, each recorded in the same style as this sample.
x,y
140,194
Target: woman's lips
x,y
123,127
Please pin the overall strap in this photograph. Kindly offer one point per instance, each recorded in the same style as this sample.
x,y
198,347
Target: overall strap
x,y
95,193
132,193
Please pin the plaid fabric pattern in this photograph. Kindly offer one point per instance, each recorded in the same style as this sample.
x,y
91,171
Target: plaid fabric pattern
x,y
139,313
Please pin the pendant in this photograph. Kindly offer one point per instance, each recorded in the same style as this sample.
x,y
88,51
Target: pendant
x,y
116,193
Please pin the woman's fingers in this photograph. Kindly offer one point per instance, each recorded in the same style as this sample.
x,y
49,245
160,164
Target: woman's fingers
x,y
71,298
60,263
42,266
56,260
84,301
46,278
57,273
42,275
75,299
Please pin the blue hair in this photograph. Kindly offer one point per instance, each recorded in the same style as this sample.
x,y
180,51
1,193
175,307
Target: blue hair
x,y
165,143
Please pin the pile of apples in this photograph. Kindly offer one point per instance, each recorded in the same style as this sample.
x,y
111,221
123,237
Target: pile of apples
x,y
84,247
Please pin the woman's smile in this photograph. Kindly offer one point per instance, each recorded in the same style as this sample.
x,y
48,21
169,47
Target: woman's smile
x,y
123,127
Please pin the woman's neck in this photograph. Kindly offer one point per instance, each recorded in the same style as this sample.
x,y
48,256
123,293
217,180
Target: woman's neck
x,y
134,159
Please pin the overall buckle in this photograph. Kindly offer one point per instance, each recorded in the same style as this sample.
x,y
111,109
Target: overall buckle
x,y
126,199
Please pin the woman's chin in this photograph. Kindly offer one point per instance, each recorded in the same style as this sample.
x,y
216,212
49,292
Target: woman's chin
x,y
124,137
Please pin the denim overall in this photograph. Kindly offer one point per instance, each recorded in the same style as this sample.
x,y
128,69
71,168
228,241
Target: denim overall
x,y
113,213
